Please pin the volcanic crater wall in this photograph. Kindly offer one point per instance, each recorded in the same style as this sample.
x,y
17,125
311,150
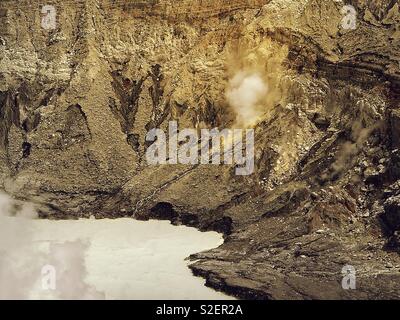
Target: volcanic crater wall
x,y
77,101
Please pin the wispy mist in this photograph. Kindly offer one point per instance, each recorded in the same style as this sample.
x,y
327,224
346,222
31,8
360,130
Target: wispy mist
x,y
22,258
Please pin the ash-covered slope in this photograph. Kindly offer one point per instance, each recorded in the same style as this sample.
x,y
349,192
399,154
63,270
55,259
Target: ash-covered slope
x,y
76,103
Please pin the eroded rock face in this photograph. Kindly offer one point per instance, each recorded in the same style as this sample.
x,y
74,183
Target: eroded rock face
x,y
76,103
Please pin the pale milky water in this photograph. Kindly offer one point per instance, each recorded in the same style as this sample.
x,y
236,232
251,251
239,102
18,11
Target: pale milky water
x,y
111,259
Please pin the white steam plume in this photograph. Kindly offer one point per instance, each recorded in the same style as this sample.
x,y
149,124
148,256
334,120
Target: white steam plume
x,y
245,94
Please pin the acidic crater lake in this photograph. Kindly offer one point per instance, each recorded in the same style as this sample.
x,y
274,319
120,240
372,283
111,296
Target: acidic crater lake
x,y
101,259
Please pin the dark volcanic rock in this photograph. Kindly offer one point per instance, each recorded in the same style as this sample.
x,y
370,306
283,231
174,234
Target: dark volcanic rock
x,y
392,213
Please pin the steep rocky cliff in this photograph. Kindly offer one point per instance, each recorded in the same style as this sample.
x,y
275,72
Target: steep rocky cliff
x,y
77,101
